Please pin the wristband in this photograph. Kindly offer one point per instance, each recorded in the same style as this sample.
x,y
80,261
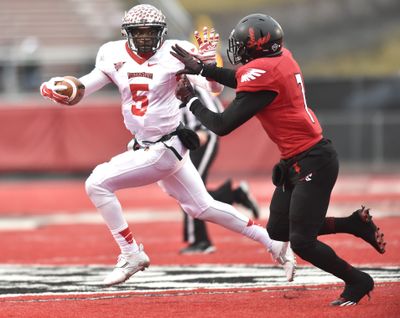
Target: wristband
x,y
189,103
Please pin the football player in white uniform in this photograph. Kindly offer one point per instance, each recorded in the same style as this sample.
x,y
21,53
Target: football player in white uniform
x,y
144,72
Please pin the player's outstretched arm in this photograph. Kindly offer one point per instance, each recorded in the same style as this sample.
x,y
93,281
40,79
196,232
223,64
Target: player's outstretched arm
x,y
94,81
241,109
193,65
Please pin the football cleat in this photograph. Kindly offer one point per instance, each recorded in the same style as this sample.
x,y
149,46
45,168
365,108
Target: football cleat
x,y
283,255
127,265
354,292
366,229
342,302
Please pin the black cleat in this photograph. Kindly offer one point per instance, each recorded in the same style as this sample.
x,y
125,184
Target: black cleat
x,y
366,229
244,198
354,292
202,247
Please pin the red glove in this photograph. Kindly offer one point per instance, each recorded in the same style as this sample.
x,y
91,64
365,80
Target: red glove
x,y
50,91
207,46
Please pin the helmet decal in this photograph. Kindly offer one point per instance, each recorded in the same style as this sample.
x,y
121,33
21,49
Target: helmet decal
x,y
140,18
143,14
256,35
257,44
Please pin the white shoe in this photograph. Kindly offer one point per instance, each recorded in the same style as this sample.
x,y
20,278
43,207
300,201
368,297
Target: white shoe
x,y
127,265
283,255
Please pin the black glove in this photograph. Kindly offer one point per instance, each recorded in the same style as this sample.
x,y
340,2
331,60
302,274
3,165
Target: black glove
x,y
192,64
184,90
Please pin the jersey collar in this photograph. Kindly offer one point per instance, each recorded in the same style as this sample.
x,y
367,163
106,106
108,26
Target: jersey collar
x,y
137,58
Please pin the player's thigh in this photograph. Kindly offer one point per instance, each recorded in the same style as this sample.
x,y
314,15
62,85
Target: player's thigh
x,y
186,186
135,168
278,221
310,202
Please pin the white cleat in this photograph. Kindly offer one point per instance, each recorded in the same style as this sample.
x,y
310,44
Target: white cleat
x,y
283,255
127,265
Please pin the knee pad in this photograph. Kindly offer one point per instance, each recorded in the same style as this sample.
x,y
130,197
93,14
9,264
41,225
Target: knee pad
x,y
97,192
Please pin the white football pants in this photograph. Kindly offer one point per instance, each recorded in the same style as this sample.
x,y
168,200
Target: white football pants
x,y
179,179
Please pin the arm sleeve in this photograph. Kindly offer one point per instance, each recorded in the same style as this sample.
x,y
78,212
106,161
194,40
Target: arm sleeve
x,y
224,76
94,81
98,77
242,108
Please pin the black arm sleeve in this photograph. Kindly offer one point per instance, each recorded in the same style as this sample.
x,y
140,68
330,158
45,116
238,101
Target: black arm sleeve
x,y
224,76
240,110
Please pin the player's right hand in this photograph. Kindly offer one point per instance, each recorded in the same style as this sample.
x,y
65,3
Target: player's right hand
x,y
193,65
50,91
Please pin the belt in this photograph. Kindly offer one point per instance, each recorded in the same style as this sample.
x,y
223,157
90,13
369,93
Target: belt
x,y
163,139
170,135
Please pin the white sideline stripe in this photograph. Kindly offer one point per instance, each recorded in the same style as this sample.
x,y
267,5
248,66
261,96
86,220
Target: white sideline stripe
x,y
30,222
53,280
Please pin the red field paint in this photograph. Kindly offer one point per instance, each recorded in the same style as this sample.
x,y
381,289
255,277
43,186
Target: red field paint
x,y
82,242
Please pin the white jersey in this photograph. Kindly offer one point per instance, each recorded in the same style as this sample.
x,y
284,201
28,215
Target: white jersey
x,y
208,100
150,111
147,87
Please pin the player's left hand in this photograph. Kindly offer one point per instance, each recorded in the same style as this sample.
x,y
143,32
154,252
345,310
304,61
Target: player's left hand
x,y
184,90
207,45
193,65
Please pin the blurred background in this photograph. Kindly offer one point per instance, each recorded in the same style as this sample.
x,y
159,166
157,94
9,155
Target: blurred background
x,y
349,51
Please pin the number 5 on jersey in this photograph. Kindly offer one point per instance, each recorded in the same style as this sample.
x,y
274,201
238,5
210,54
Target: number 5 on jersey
x,y
140,102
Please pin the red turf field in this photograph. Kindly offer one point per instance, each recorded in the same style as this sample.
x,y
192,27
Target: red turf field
x,y
49,227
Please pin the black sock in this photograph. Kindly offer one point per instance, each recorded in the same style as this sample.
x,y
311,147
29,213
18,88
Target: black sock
x,y
325,258
337,225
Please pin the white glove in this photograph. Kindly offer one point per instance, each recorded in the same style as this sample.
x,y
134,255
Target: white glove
x,y
50,91
207,46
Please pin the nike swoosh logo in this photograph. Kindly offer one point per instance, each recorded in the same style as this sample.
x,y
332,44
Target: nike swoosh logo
x,y
151,64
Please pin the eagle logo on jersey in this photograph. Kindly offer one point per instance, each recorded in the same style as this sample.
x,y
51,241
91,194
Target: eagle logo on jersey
x,y
251,74
118,65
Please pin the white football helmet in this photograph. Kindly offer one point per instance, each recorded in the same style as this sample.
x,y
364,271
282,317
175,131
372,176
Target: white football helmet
x,y
145,27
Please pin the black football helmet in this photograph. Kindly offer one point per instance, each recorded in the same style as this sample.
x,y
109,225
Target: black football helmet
x,y
256,35
145,27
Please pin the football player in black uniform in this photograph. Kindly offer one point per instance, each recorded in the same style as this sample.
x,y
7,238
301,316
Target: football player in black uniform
x,y
270,86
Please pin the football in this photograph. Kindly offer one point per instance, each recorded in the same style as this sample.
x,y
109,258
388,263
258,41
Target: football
x,y
75,89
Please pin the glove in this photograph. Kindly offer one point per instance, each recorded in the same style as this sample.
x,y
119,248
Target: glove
x,y
184,91
50,90
193,65
207,46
